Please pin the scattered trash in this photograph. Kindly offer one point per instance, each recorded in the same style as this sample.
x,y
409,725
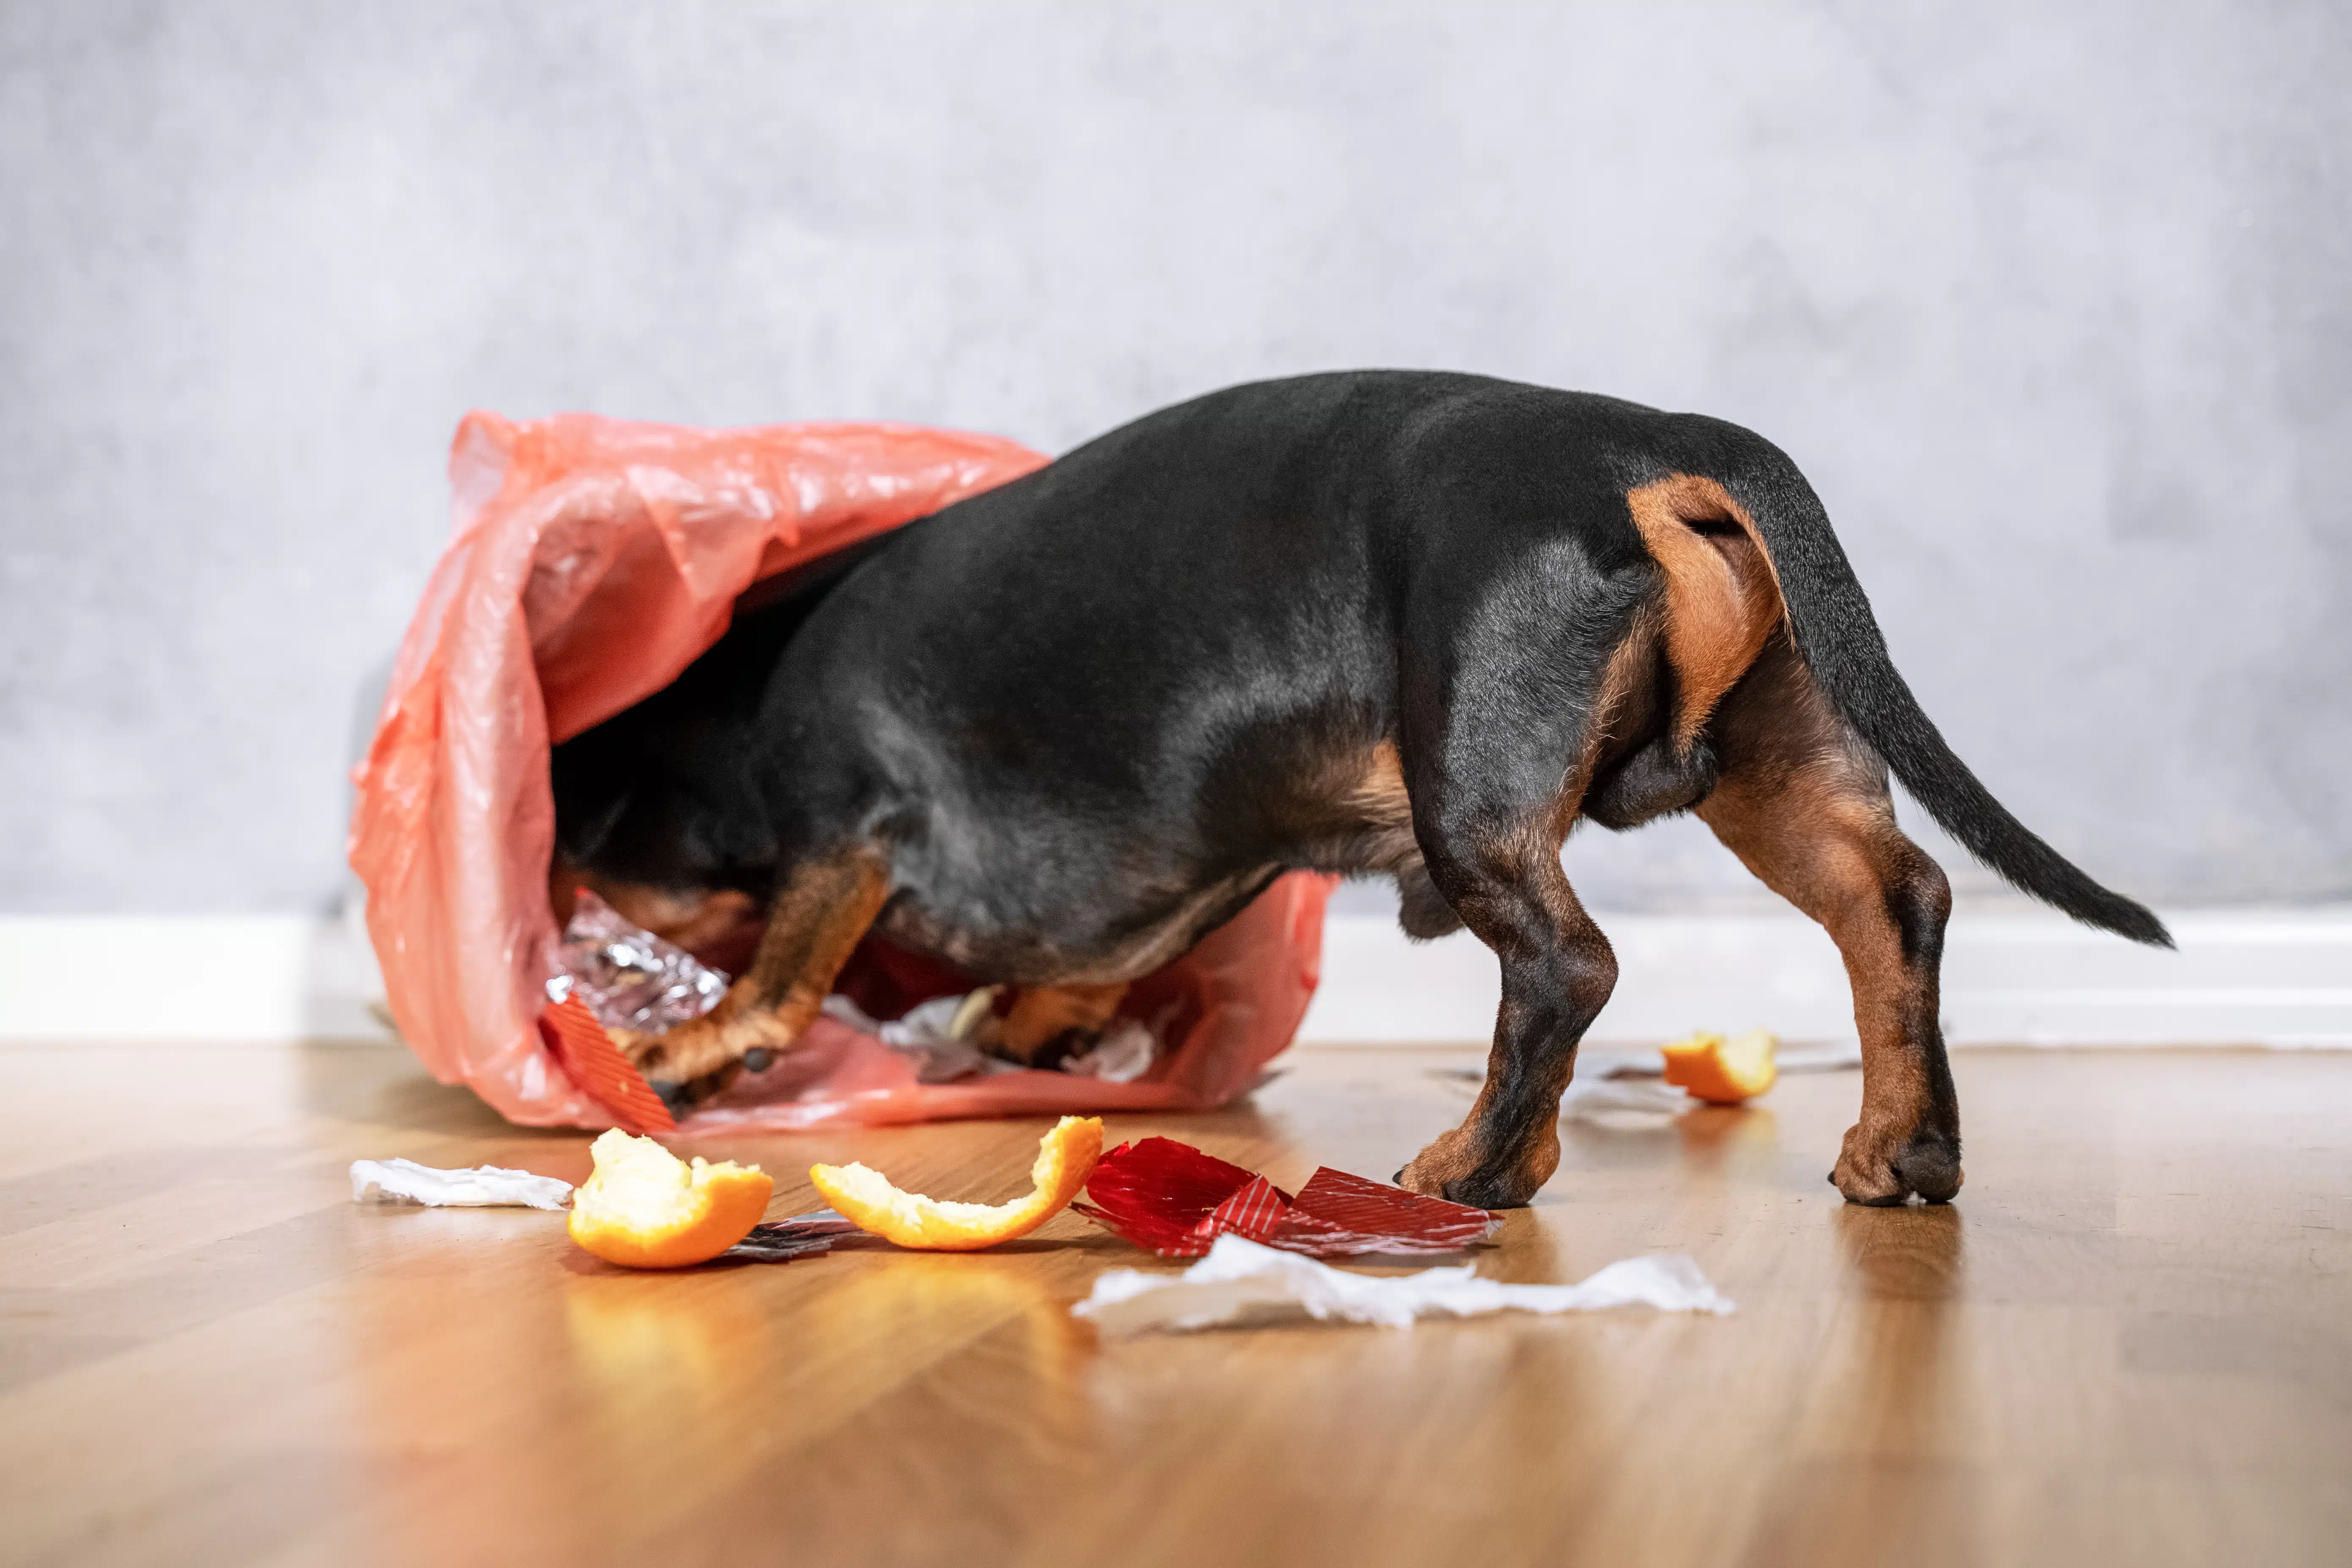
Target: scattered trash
x,y
480,1187
931,1036
1171,1198
1065,1157
936,1037
1124,1054
643,1207
631,982
1242,1283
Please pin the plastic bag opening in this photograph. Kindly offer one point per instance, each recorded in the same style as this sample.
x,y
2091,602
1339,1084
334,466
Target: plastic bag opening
x,y
592,560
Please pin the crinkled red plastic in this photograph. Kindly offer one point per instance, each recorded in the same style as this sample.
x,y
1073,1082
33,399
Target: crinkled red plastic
x,y
1171,1198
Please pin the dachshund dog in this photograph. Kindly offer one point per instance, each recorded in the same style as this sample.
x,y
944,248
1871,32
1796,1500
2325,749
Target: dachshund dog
x,y
1375,623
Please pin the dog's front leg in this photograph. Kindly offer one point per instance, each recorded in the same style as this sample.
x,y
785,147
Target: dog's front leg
x,y
825,907
1503,724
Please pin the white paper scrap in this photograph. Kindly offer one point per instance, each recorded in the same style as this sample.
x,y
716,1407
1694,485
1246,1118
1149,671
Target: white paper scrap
x,y
1242,1282
483,1186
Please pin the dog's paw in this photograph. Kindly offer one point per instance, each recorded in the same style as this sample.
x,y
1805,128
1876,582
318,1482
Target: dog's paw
x,y
686,1098
695,1061
1451,1168
1450,1157
1882,1168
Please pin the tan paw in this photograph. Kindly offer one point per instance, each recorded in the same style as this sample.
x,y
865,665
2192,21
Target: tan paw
x,y
1447,1158
1882,1167
688,1064
1452,1167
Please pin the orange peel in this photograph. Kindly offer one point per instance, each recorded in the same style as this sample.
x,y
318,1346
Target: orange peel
x,y
1721,1071
643,1207
864,1196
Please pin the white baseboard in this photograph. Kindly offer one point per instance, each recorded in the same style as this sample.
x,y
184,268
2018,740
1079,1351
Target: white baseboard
x,y
210,979
2242,977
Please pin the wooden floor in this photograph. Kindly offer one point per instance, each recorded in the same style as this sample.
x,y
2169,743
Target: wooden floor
x,y
2129,1341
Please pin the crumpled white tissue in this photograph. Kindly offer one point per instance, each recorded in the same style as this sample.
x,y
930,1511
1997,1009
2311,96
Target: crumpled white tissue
x,y
927,1036
483,1186
1242,1282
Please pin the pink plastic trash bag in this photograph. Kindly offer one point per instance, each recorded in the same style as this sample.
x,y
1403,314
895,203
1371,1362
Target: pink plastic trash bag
x,y
592,561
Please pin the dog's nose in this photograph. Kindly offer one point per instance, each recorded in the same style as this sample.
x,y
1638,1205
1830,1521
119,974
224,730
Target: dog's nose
x,y
758,1059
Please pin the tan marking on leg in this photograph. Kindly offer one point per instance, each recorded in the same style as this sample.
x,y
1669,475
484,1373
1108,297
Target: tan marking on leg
x,y
1723,597
1625,692
1809,814
825,909
1381,795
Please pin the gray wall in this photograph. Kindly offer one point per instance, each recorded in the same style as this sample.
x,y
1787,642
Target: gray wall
x,y
2051,302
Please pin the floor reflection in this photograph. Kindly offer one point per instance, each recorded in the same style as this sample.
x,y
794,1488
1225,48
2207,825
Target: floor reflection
x,y
1719,1137
1895,1401
1911,1254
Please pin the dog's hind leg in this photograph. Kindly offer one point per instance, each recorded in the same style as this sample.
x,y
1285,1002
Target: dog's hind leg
x,y
1804,805
1557,972
825,907
1492,802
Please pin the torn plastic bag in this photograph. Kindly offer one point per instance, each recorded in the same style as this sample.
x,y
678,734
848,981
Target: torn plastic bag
x,y
591,561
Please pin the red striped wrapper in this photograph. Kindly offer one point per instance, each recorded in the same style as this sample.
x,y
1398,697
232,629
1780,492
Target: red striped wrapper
x,y
1170,1198
588,1054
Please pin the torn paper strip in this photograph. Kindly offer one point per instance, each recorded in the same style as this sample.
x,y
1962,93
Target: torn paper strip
x,y
1242,1283
483,1186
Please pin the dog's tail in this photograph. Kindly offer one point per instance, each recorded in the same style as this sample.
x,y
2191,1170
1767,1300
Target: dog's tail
x,y
1840,641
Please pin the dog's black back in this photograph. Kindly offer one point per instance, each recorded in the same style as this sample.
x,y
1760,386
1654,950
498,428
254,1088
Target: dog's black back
x,y
1093,712
1096,709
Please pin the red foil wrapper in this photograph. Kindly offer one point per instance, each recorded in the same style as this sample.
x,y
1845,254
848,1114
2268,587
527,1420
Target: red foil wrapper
x,y
1170,1198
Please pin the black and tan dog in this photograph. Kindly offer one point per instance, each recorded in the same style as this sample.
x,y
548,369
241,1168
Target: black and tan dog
x,y
1399,623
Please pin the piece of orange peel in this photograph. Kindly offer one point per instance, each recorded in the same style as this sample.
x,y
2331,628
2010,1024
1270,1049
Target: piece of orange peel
x,y
1721,1071
864,1196
643,1207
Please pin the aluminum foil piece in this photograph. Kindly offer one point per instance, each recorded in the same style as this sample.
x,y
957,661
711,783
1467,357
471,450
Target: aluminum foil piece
x,y
630,978
780,1241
